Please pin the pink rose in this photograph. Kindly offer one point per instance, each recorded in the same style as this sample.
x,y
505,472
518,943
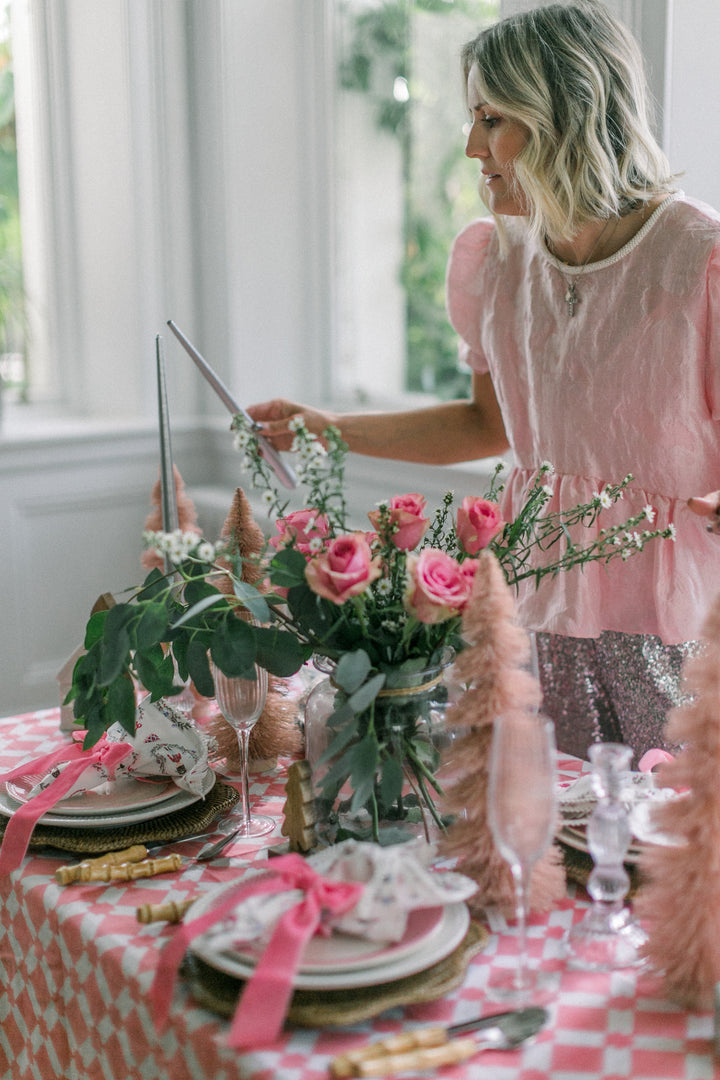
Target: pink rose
x,y
477,522
344,569
301,526
406,513
438,588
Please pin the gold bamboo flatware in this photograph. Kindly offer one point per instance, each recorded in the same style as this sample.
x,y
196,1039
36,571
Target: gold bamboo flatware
x,y
103,869
170,911
67,875
432,1047
89,869
132,871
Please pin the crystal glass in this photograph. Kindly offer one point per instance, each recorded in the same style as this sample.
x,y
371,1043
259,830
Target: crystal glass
x,y
521,812
608,937
241,701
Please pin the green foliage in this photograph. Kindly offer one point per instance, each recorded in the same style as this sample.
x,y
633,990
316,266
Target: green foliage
x,y
432,356
171,621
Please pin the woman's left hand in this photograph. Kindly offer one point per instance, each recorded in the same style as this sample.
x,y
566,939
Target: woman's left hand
x,y
708,506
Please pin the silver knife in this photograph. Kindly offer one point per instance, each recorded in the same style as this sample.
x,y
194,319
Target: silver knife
x,y
283,472
431,1047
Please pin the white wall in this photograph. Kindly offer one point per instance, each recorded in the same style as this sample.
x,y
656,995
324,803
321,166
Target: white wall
x,y
74,504
693,136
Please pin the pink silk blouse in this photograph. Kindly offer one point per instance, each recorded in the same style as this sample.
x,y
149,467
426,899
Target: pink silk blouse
x,y
629,384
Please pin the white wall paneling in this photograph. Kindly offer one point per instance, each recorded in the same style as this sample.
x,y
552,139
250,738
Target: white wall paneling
x,y
74,508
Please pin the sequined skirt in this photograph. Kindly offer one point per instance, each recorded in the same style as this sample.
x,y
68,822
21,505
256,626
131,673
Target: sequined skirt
x,y
613,688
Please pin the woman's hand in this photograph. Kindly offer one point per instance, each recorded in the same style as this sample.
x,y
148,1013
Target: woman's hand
x,y
275,417
439,434
708,506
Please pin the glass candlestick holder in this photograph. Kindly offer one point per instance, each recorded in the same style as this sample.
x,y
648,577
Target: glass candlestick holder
x,y
608,937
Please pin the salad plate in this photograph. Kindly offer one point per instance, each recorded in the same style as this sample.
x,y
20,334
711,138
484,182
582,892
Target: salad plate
x,y
428,940
177,800
111,797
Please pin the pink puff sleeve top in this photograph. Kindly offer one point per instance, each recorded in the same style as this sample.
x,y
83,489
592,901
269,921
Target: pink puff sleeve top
x,y
630,384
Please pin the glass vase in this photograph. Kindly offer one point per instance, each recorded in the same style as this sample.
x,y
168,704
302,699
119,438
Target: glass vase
x,y
408,717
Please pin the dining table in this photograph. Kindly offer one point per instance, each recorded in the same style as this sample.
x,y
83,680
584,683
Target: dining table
x,y
76,967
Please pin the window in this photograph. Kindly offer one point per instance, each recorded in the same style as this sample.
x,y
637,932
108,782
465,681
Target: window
x,y
403,190
12,322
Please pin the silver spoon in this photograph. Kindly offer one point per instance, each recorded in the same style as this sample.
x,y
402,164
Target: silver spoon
x,y
211,850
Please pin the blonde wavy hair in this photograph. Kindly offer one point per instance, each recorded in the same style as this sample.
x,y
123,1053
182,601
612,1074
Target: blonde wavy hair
x,y
574,77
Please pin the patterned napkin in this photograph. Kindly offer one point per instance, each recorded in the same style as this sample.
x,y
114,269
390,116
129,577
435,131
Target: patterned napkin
x,y
165,744
578,800
396,880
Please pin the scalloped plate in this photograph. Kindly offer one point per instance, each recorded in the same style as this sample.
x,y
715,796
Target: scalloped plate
x,y
111,797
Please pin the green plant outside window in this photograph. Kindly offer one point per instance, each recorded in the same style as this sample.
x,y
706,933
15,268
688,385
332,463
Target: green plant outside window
x,y
391,55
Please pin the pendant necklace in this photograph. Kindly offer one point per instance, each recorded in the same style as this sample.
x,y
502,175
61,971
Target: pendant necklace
x,y
571,297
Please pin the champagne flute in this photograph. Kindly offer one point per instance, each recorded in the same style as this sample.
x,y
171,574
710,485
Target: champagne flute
x,y
241,701
521,814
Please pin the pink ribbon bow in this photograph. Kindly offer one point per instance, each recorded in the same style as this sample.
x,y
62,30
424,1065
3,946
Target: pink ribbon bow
x,y
264,1002
20,826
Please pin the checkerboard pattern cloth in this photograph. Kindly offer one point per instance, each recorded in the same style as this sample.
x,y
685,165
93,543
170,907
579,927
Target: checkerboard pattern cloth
x,y
76,967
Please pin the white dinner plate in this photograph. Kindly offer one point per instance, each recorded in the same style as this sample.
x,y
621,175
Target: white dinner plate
x,y
446,936
345,952
111,797
177,801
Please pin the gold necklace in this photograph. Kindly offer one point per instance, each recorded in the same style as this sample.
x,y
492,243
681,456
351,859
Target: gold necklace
x,y
571,297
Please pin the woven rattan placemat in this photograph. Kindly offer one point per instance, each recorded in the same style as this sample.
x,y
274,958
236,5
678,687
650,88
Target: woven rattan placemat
x,y
219,992
186,822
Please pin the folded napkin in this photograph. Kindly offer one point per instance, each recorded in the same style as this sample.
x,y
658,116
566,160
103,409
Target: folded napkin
x,y
354,888
396,880
578,800
165,744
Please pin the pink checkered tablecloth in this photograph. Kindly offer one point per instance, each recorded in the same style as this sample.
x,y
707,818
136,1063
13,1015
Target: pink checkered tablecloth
x,y
76,966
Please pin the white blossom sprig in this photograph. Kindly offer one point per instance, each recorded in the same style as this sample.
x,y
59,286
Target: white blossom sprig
x,y
319,467
179,546
534,530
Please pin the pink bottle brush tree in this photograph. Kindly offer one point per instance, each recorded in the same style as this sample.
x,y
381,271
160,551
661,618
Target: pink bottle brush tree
x,y
187,518
679,901
491,669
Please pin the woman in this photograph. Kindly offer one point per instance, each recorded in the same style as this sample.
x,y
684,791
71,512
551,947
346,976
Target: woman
x,y
587,308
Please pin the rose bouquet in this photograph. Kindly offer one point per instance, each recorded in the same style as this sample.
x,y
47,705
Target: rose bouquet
x,y
376,604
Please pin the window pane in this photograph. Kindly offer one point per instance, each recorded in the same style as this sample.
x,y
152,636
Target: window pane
x,y
12,322
404,189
